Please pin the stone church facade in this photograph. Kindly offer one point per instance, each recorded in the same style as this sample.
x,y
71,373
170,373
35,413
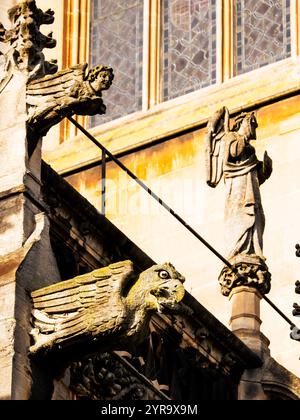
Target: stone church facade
x,y
169,76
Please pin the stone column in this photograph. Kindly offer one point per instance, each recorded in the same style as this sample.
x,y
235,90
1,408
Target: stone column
x,y
245,323
245,319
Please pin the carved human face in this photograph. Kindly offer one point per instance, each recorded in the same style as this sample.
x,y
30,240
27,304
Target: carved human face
x,y
248,127
103,81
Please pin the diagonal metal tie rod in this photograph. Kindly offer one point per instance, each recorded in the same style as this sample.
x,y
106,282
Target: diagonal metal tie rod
x,y
279,311
105,151
149,191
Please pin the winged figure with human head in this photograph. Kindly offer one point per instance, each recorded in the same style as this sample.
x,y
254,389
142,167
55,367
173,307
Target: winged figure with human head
x,y
51,95
76,90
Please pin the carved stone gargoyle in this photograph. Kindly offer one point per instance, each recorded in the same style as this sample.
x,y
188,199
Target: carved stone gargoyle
x,y
51,95
109,308
65,93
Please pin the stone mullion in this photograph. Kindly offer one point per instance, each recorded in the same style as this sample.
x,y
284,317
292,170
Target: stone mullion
x,y
146,54
220,31
76,48
227,39
295,28
154,73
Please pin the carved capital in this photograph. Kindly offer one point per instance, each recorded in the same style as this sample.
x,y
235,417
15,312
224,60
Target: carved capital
x,y
245,274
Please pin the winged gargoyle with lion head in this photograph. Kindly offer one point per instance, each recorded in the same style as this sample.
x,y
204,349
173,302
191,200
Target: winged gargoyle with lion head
x,y
109,308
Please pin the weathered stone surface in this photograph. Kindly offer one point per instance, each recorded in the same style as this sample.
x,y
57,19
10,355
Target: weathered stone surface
x,y
250,387
26,42
20,272
12,224
278,382
13,152
5,377
271,382
62,391
7,329
107,309
7,299
37,268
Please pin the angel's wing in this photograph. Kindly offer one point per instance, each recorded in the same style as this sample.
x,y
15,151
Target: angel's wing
x,y
83,291
217,127
53,87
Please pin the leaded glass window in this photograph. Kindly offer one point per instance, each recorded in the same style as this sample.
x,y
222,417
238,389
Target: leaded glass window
x,y
117,41
262,30
189,46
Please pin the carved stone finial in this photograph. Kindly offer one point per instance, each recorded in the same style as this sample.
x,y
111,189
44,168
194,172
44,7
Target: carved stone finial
x,y
105,310
295,334
26,42
230,154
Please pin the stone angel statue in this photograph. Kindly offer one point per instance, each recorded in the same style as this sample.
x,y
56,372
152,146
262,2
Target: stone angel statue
x,y
105,310
72,91
230,155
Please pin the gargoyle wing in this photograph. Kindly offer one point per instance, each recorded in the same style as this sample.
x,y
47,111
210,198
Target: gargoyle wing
x,y
67,309
217,126
54,86
83,291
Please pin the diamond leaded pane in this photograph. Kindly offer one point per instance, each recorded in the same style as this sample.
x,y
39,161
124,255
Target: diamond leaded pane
x,y
189,46
117,41
262,30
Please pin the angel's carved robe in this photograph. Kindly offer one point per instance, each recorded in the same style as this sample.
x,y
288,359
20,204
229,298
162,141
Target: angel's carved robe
x,y
230,155
244,216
